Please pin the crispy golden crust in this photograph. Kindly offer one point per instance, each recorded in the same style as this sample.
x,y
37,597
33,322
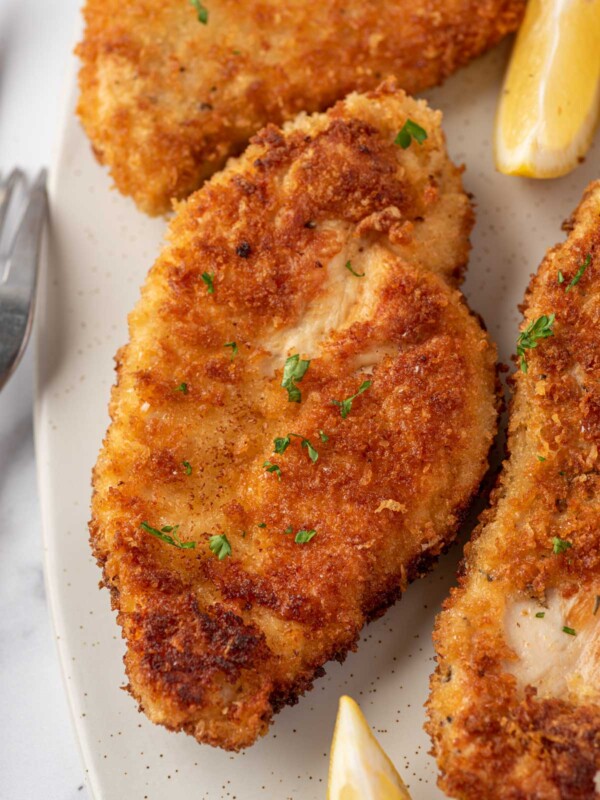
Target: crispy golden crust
x,y
215,647
166,100
494,735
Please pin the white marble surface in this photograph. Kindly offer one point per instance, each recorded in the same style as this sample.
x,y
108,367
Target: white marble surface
x,y
39,756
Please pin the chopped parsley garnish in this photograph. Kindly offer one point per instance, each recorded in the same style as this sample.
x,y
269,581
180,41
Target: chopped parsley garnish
x,y
560,545
262,525
289,529
168,534
410,130
281,444
561,277
312,453
348,266
528,339
302,537
345,406
272,468
540,614
323,436
187,467
570,631
208,280
541,458
183,388
293,372
596,605
202,11
220,546
579,273
234,348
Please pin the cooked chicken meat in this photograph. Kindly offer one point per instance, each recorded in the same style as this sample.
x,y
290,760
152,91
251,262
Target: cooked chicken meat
x,y
169,91
302,414
515,701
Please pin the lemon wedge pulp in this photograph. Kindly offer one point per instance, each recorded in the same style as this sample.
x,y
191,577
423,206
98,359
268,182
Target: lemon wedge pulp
x,y
551,96
358,768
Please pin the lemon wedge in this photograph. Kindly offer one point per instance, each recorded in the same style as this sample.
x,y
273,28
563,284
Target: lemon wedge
x,y
358,767
551,96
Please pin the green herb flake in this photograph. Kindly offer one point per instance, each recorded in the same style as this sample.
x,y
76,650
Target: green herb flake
x,y
409,131
281,443
262,525
208,280
289,529
560,545
541,328
570,631
561,277
302,537
541,458
183,388
164,535
201,10
312,453
323,436
540,615
345,406
596,605
219,545
272,468
234,348
579,273
293,372
187,467
348,266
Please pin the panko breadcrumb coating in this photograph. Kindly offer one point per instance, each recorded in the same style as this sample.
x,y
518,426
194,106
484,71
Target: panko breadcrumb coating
x,y
166,99
514,710
301,513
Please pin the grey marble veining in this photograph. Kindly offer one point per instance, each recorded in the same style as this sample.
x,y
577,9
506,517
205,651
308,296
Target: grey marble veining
x,y
39,756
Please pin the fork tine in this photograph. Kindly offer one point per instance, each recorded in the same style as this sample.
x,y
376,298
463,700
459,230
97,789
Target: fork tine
x,y
24,253
6,191
41,180
17,293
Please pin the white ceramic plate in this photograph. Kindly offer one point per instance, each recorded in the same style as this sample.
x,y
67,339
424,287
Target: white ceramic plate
x,y
100,248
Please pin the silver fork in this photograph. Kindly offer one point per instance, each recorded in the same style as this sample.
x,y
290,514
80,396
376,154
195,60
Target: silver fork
x,y
19,261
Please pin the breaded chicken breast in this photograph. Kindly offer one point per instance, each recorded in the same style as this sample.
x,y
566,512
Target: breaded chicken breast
x,y
514,710
171,89
302,414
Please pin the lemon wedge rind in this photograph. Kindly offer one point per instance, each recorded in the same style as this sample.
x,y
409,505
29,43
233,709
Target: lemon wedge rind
x,y
359,769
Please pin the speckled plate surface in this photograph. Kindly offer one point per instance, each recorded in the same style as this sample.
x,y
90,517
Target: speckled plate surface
x,y
100,248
